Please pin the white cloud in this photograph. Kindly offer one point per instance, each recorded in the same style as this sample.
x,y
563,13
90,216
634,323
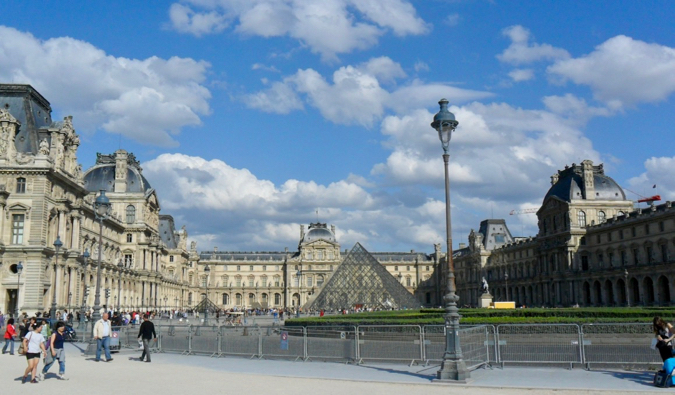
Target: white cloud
x,y
233,209
355,95
451,20
185,20
326,27
421,66
660,172
521,51
519,75
145,100
622,71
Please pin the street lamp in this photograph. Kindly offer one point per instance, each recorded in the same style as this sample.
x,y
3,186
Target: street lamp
x,y
207,270
299,274
506,284
57,246
625,276
120,266
165,305
453,366
19,268
102,210
400,278
85,258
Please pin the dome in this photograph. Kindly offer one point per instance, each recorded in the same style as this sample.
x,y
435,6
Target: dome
x,y
102,175
319,232
570,185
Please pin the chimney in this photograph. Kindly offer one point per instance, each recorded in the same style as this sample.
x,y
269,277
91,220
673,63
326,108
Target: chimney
x,y
121,170
589,183
302,232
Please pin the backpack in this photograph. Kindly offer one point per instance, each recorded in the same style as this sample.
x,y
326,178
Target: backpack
x,y
662,379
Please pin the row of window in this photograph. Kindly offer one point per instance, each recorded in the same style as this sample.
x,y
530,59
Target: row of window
x,y
633,233
238,298
635,256
320,255
407,268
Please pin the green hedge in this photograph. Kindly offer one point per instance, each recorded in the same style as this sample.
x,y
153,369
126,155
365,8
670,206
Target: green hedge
x,y
493,316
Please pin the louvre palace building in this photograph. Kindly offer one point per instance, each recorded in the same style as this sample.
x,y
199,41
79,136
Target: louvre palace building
x,y
146,262
593,248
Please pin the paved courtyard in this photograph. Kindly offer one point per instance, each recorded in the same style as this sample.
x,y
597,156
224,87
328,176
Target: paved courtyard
x,y
174,373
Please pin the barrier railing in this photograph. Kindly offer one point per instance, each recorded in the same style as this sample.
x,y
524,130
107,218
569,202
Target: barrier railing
x,y
539,343
477,344
618,344
626,344
331,343
390,343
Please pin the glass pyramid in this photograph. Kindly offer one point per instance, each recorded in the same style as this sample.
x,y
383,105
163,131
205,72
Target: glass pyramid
x,y
206,304
361,281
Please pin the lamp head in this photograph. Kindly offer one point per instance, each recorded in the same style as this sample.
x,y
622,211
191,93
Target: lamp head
x,y
102,205
120,264
444,123
58,244
19,268
207,269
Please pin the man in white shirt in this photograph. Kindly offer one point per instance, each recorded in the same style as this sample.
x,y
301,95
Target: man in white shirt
x,y
102,333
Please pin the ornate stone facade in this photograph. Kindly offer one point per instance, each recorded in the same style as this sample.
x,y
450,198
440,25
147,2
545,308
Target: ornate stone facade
x,y
593,249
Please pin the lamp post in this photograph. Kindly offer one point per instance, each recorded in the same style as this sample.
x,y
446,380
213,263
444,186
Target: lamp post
x,y
207,270
19,269
166,307
299,273
625,276
506,284
57,246
453,367
102,209
85,258
120,266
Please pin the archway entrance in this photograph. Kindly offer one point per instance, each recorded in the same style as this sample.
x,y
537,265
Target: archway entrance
x,y
663,287
648,286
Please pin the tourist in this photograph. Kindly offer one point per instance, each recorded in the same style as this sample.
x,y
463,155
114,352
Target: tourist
x,y
10,332
146,333
102,332
57,352
33,343
663,332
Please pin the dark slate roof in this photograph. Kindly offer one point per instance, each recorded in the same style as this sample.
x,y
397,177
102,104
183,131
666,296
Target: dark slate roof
x,y
570,185
318,231
166,229
102,175
31,109
495,233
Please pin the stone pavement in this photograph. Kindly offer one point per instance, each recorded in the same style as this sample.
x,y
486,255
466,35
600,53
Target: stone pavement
x,y
174,373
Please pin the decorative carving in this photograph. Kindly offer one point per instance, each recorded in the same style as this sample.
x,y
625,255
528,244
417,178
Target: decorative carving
x,y
44,147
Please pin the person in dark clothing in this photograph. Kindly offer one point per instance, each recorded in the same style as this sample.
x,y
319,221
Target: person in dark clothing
x,y
146,333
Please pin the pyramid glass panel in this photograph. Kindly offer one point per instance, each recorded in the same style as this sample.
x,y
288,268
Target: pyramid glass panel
x,y
361,281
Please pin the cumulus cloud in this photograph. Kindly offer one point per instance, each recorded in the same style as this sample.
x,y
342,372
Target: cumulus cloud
x,y
659,171
185,20
232,208
622,71
521,51
355,95
498,151
146,100
519,75
326,27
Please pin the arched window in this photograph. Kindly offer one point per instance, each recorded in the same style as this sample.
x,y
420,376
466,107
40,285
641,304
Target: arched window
x,y
601,216
319,280
238,299
581,218
131,214
277,299
226,299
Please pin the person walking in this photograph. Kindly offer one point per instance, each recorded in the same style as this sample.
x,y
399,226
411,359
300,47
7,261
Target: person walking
x,y
102,332
57,352
34,344
10,332
147,333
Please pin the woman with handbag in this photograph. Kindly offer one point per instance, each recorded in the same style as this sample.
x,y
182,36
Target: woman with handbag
x,y
55,352
663,332
33,343
10,332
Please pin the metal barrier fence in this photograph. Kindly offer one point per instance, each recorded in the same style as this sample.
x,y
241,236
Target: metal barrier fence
x,y
482,345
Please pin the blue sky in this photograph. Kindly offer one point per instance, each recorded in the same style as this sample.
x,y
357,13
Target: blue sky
x,y
249,115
